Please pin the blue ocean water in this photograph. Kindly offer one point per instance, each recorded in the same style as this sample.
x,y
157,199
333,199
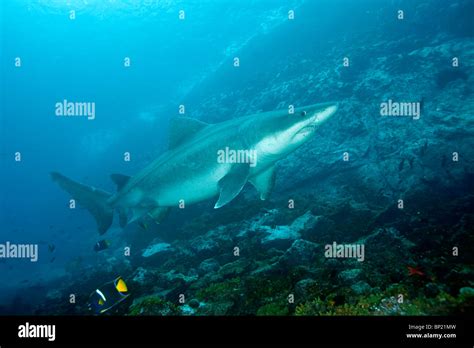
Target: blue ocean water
x,y
83,59
81,56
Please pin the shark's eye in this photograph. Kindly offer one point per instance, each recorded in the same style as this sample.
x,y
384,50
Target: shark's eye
x,y
303,113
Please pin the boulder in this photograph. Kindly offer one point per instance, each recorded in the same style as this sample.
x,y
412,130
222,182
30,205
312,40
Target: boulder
x,y
361,288
235,268
304,288
301,253
350,276
157,249
280,237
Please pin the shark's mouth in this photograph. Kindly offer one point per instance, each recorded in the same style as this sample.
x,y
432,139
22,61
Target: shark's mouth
x,y
305,131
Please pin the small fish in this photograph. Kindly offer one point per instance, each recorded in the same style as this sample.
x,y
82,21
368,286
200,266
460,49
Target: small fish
x,y
52,259
143,225
414,271
108,295
51,247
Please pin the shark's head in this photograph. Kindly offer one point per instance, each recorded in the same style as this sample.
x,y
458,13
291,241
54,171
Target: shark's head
x,y
286,131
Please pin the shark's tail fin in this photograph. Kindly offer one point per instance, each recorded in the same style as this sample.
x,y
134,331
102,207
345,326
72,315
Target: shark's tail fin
x,y
91,198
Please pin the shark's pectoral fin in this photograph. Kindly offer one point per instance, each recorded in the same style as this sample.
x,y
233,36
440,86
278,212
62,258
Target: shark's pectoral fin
x,y
158,214
264,182
231,184
182,128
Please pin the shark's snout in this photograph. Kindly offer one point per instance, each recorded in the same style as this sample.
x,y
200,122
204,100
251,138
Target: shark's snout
x,y
318,113
325,113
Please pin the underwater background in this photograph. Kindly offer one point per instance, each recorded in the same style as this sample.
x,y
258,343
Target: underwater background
x,y
283,61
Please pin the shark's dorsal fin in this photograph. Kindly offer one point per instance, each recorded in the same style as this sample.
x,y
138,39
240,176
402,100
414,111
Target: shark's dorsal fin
x,y
231,184
264,182
120,180
182,128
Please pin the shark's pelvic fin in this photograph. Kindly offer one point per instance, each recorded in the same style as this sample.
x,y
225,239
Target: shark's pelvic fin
x,y
264,182
91,198
182,128
143,209
159,213
231,184
120,180
136,213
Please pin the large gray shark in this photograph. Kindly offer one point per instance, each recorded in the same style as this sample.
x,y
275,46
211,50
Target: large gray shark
x,y
203,161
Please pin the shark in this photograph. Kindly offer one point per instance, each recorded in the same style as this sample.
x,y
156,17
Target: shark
x,y
203,161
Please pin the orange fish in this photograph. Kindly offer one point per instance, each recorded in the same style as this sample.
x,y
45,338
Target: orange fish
x,y
414,271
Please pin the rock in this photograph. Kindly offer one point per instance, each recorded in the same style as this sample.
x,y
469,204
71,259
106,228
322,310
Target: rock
x,y
301,252
349,276
267,269
257,223
54,294
265,219
193,272
304,222
206,280
172,278
387,235
153,305
389,306
235,268
280,237
431,290
208,266
322,225
333,264
141,275
115,264
204,246
158,248
383,264
220,308
187,309
361,288
194,303
304,288
467,292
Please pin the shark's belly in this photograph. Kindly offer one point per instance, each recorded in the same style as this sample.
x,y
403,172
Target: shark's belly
x,y
187,174
191,187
